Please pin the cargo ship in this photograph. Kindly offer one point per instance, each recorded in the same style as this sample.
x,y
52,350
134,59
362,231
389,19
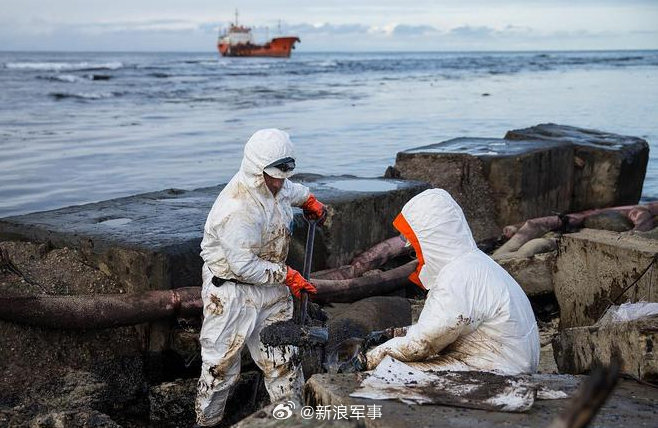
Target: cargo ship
x,y
238,41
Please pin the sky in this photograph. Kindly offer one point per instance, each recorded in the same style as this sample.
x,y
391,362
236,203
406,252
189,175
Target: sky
x,y
343,25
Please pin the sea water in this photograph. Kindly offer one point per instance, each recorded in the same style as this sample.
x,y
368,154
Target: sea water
x,y
84,127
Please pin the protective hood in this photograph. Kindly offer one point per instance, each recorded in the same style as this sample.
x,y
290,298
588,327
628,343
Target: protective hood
x,y
265,147
435,226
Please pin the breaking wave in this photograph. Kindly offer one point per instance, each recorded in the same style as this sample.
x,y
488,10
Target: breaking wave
x,y
63,66
72,78
68,78
84,95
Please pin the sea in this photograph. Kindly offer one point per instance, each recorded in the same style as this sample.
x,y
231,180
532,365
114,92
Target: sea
x,y
84,127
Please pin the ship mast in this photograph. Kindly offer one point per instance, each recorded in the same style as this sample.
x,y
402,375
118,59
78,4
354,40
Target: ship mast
x,y
236,17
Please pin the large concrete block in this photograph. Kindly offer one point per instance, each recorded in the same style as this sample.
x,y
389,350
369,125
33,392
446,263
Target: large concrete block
x,y
592,269
580,349
151,241
497,182
609,169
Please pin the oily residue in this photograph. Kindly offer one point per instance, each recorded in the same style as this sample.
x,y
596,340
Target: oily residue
x,y
477,388
215,306
218,371
282,333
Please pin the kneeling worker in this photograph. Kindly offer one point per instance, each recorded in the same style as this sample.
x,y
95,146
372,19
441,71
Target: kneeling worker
x,y
245,245
476,316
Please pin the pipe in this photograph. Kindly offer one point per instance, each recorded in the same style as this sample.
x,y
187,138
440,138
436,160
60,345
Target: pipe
x,y
351,290
93,311
370,259
519,234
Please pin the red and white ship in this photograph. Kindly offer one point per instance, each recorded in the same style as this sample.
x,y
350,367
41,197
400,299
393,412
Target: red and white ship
x,y
238,41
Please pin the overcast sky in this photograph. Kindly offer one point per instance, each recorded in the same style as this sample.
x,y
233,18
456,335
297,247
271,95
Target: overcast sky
x,y
344,25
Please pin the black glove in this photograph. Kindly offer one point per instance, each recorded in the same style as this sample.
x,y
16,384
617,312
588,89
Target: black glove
x,y
376,338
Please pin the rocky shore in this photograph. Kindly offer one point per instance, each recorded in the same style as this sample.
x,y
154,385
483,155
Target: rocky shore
x,y
145,374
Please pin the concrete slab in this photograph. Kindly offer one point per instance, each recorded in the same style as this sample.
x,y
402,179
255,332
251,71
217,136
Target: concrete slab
x,y
631,404
497,182
592,269
609,169
580,349
151,241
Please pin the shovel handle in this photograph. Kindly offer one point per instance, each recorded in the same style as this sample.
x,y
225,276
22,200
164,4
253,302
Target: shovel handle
x,y
306,272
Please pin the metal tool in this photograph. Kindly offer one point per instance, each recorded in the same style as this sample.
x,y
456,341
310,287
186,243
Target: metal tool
x,y
306,271
311,334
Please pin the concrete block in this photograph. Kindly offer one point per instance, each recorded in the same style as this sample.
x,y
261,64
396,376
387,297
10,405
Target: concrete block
x,y
534,274
609,169
580,349
593,267
151,241
497,182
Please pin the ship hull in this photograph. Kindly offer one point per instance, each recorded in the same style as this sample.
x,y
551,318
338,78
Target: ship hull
x,y
277,47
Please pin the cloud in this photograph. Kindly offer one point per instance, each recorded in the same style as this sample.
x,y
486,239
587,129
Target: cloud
x,y
414,30
471,32
199,35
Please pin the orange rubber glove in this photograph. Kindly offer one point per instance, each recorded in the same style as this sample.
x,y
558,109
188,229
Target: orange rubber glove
x,y
314,209
296,283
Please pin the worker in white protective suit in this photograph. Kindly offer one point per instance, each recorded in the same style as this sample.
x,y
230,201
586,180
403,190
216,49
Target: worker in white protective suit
x,y
476,316
244,248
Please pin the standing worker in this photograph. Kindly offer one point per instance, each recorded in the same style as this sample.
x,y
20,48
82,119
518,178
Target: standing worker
x,y
244,249
476,316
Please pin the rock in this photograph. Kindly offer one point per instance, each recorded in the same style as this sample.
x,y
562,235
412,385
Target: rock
x,y
172,403
496,182
537,246
609,169
356,320
580,349
73,419
534,274
370,314
593,268
612,220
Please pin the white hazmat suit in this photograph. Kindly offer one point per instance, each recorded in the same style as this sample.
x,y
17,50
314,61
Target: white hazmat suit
x,y
245,243
476,315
